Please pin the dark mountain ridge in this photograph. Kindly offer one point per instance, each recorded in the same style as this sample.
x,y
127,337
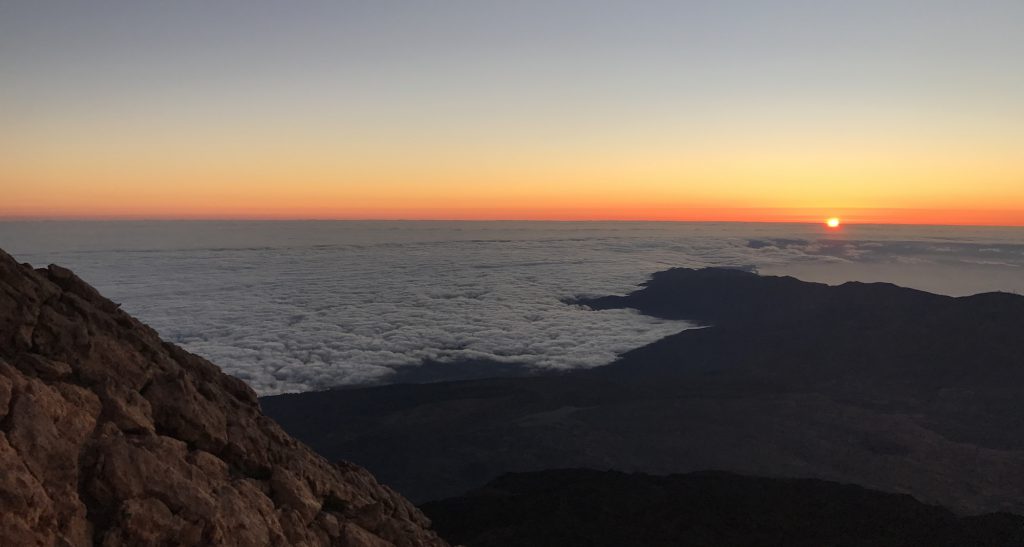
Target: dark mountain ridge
x,y
873,384
614,509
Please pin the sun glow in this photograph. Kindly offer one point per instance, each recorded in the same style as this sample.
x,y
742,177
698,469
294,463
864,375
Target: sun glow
x,y
832,222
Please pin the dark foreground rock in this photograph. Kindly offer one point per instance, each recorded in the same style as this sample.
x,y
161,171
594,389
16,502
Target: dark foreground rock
x,y
110,436
872,384
594,508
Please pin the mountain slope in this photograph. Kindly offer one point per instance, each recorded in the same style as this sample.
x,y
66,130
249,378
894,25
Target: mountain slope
x,y
872,384
110,436
608,508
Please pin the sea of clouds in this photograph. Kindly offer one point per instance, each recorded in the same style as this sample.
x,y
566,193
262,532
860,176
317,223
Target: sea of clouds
x,y
297,306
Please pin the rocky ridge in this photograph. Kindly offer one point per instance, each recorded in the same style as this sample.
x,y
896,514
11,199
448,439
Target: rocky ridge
x,y
111,436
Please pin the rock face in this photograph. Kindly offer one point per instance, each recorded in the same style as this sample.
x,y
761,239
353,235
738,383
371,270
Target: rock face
x,y
607,508
110,436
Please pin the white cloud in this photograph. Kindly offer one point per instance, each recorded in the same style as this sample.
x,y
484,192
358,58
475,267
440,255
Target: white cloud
x,y
300,306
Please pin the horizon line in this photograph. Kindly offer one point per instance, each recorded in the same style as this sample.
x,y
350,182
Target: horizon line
x,y
491,220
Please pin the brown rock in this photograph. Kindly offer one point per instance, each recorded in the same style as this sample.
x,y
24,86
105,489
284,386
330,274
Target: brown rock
x,y
110,436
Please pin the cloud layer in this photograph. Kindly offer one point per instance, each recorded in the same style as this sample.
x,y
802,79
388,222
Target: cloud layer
x,y
301,306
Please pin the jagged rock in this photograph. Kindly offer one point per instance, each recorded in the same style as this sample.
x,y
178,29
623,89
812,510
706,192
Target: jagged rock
x,y
110,436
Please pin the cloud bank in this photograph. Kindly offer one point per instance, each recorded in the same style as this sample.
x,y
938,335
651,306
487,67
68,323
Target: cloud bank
x,y
301,306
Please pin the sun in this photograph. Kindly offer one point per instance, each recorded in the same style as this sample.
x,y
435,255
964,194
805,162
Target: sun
x,y
832,222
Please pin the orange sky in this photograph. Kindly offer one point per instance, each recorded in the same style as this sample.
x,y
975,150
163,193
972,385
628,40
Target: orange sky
x,y
798,180
795,164
869,111
220,203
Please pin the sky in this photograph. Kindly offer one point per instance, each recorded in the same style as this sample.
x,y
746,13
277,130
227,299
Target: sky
x,y
892,111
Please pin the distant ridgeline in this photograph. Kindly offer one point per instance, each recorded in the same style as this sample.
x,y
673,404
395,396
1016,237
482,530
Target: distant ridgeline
x,y
886,387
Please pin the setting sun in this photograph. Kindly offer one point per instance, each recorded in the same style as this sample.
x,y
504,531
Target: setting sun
x,y
832,222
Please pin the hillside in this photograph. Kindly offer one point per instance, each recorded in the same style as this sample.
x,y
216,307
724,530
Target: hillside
x,y
872,384
110,436
613,509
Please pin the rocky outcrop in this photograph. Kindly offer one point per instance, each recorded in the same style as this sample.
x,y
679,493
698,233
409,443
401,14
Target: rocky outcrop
x,y
110,436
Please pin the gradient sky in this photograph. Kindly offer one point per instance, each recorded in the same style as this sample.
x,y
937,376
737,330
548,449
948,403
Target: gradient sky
x,y
876,111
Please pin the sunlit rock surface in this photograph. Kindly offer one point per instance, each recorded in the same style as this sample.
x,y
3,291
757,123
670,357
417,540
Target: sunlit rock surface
x,y
110,436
